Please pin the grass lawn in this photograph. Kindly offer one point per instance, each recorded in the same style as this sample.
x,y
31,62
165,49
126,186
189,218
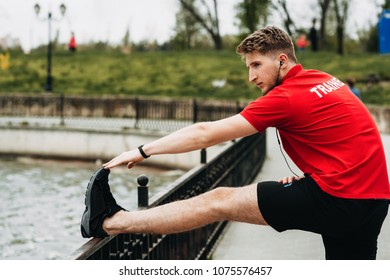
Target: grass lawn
x,y
176,74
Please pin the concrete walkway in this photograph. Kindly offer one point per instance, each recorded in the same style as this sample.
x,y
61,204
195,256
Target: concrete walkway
x,y
249,242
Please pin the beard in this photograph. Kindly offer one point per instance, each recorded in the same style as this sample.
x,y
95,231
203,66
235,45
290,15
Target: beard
x,y
270,86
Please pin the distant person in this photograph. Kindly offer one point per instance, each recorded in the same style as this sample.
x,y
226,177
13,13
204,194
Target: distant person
x,y
343,193
302,42
313,36
72,43
351,85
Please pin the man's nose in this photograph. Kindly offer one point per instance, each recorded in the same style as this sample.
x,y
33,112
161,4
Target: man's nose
x,y
252,76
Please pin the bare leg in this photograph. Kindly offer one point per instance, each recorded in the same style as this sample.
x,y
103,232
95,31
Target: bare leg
x,y
235,204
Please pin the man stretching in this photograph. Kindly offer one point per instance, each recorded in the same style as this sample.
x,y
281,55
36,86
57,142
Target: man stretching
x,y
325,129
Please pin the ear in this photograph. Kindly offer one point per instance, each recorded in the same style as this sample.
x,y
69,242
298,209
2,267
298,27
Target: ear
x,y
283,60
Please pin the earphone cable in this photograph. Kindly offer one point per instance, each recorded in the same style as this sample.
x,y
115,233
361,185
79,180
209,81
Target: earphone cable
x,y
280,147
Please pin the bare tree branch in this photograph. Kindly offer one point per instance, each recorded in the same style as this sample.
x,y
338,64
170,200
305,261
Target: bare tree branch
x,y
341,11
324,7
208,22
285,14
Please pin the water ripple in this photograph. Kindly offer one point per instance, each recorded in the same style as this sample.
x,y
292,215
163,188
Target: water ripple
x,y
42,203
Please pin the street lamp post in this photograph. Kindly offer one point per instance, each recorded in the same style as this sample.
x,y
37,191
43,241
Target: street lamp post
x,y
49,80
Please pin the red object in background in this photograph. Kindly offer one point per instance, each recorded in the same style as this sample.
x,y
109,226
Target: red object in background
x,y
72,43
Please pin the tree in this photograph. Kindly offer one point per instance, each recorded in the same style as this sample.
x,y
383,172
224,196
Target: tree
x,y
386,5
126,38
288,23
252,13
208,20
369,38
324,8
126,42
186,29
341,10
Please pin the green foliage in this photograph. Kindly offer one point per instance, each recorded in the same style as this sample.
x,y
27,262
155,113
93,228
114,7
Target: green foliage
x,y
187,29
376,94
251,14
369,39
105,71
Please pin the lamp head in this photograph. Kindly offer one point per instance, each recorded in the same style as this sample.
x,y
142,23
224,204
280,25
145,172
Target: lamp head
x,y
37,8
63,9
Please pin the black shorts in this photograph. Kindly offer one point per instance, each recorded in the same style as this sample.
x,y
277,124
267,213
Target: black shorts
x,y
349,227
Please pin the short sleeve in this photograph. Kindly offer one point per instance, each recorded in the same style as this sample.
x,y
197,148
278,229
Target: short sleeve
x,y
271,110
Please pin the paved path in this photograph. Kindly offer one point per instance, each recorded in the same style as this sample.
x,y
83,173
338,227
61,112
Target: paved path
x,y
248,242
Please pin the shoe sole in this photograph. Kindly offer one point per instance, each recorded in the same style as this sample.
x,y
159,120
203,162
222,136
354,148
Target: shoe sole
x,y
85,226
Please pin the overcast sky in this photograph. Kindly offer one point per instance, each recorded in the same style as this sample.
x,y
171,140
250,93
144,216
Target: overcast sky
x,y
108,20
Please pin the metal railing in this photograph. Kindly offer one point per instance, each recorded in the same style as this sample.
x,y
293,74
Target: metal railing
x,y
236,166
163,114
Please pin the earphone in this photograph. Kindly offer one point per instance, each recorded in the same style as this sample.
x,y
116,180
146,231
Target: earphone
x,y
281,62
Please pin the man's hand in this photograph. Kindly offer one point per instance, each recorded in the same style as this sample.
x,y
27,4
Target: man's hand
x,y
190,138
288,180
131,158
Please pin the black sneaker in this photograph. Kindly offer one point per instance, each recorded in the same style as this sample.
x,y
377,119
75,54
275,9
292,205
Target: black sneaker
x,y
99,204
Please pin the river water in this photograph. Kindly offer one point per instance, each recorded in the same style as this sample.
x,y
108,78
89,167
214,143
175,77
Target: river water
x,y
41,203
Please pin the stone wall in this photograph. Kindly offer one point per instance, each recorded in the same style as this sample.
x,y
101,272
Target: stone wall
x,y
381,115
90,144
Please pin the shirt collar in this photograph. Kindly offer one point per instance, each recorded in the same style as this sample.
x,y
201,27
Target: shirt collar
x,y
293,71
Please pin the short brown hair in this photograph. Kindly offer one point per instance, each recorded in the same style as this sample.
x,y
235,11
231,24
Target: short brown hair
x,y
270,39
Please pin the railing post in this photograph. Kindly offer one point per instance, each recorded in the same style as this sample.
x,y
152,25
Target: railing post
x,y
143,191
238,107
137,112
62,105
194,111
203,156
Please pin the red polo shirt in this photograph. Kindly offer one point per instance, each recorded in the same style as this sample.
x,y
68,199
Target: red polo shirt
x,y
327,131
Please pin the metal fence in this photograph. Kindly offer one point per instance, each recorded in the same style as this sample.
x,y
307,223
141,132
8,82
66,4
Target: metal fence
x,y
164,114
236,166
